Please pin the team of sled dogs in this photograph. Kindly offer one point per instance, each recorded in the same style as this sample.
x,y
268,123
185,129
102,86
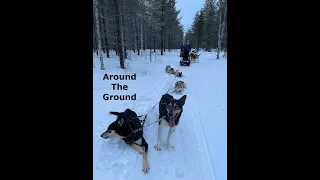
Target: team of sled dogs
x,y
179,85
127,125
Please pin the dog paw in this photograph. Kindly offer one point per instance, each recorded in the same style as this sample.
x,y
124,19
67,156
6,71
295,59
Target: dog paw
x,y
142,150
169,147
145,167
157,147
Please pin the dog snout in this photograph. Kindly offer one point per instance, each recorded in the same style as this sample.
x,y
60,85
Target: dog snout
x,y
104,135
170,114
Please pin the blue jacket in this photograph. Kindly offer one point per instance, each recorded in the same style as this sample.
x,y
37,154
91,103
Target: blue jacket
x,y
187,47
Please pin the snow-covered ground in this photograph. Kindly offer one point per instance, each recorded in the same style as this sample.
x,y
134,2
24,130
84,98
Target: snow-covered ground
x,y
200,139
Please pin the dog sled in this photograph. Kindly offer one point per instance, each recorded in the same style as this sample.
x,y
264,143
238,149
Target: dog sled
x,y
185,61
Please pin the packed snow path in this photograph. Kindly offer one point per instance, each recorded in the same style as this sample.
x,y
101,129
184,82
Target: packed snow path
x,y
200,137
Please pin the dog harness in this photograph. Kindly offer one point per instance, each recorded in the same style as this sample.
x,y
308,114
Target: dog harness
x,y
133,132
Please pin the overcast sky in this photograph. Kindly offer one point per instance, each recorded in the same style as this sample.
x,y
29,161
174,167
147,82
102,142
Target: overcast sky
x,y
188,11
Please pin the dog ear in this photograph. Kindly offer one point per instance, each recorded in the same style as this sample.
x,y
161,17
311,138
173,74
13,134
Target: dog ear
x,y
182,100
115,113
120,122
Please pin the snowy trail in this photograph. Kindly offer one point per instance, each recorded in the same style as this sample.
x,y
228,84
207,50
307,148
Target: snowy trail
x,y
207,83
191,159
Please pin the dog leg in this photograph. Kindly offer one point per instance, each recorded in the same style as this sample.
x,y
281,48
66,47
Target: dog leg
x,y
158,146
145,167
143,151
139,149
171,130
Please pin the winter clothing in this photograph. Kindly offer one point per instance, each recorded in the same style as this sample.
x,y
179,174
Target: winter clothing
x,y
185,56
187,49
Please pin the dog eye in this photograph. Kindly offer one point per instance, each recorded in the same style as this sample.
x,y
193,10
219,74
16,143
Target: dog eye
x,y
108,131
176,107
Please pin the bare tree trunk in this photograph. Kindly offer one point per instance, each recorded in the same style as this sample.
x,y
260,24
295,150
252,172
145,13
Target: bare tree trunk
x,y
123,38
221,25
135,35
102,33
154,43
118,33
164,40
108,55
93,60
169,44
96,13
219,31
145,41
162,27
150,40
116,46
141,36
106,39
150,55
122,42
224,21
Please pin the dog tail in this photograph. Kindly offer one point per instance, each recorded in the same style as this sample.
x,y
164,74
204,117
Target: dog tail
x,y
115,113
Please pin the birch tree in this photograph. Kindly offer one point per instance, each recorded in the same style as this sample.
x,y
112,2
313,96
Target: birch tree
x,y
95,5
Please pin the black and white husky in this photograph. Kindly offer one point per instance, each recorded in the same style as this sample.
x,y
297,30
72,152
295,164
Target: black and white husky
x,y
179,86
170,111
170,70
128,128
178,73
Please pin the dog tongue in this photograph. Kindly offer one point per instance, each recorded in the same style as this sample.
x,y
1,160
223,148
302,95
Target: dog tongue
x,y
172,123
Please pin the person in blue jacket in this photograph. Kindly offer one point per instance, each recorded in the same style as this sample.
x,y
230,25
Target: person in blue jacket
x,y
186,49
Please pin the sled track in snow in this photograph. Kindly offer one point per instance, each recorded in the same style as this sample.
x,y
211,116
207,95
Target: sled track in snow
x,y
189,140
191,137
201,138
